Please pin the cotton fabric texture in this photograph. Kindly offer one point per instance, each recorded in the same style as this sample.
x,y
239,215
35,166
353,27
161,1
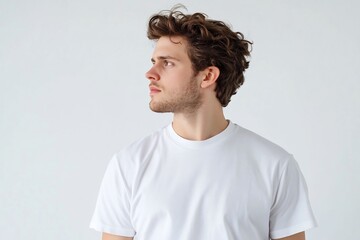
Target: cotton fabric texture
x,y
234,186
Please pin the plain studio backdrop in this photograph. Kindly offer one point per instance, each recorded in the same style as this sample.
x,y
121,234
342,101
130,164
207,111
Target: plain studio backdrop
x,y
73,92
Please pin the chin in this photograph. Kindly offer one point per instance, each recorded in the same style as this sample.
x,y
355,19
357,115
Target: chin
x,y
158,109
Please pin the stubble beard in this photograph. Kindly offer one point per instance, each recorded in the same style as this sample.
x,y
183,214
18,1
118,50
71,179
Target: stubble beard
x,y
187,101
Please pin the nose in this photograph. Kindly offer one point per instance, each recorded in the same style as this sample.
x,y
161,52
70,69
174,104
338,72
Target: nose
x,y
152,74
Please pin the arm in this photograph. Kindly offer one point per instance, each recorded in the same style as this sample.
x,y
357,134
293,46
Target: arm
x,y
107,236
297,236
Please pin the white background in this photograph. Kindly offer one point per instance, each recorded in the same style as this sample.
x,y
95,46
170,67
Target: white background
x,y
73,92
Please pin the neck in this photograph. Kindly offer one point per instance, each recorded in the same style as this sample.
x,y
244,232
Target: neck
x,y
202,124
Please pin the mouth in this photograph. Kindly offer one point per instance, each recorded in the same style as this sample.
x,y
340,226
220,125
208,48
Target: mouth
x,y
154,90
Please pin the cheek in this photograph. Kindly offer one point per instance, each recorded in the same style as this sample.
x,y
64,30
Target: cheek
x,y
177,80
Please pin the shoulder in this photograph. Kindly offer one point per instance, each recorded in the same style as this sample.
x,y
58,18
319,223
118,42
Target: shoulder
x,y
253,140
128,161
142,147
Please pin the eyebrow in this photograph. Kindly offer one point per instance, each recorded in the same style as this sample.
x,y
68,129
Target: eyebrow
x,y
165,57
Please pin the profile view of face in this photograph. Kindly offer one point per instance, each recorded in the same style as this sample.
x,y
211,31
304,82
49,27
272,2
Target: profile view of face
x,y
173,86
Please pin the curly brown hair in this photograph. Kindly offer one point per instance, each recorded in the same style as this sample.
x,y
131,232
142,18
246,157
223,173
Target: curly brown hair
x,y
210,43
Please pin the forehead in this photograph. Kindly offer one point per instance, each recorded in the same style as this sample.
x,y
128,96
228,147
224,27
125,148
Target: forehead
x,y
174,46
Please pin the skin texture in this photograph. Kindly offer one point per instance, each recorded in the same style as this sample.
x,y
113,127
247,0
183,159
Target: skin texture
x,y
106,236
298,236
198,114
173,88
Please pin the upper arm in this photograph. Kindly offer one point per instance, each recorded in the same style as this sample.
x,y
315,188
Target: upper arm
x,y
112,211
297,236
290,210
107,236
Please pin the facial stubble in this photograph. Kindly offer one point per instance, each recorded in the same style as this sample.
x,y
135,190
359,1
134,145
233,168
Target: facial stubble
x,y
186,101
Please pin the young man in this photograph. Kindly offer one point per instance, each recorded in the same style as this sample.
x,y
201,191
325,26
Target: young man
x,y
202,177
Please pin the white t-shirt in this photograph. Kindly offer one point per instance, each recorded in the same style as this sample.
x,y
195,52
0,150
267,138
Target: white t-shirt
x,y
233,186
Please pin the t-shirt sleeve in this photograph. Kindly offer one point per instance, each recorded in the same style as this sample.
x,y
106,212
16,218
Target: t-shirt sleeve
x,y
112,211
291,211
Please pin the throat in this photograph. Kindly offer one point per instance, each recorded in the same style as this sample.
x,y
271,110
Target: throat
x,y
199,131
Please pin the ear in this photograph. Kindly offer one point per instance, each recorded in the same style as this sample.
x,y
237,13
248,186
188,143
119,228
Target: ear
x,y
210,75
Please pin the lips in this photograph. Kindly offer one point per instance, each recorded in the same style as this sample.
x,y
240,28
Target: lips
x,y
153,89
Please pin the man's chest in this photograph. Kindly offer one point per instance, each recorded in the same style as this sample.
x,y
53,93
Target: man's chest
x,y
213,194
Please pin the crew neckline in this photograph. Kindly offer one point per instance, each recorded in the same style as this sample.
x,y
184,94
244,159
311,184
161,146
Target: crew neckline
x,y
202,143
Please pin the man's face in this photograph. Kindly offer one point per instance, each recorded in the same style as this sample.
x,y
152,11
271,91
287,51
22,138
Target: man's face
x,y
173,86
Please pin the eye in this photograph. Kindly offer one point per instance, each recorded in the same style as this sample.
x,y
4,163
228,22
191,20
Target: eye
x,y
167,63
